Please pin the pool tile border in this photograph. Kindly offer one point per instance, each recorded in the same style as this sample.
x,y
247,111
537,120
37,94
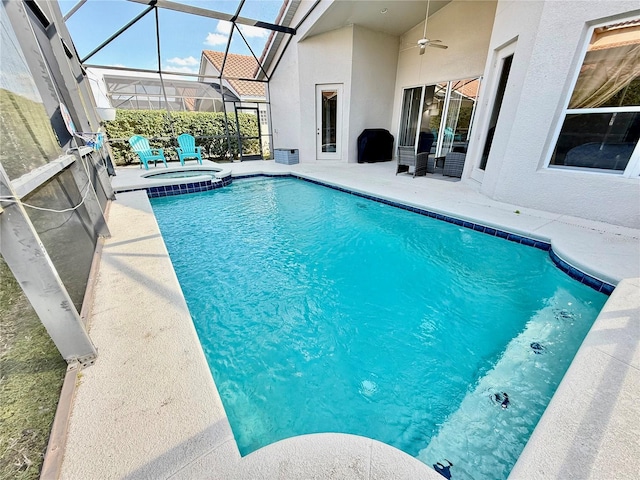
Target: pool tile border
x,y
182,188
203,186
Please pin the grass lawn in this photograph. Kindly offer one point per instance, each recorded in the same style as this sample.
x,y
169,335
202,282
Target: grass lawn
x,y
31,376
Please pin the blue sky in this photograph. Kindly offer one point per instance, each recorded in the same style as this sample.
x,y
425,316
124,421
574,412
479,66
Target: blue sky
x,y
182,36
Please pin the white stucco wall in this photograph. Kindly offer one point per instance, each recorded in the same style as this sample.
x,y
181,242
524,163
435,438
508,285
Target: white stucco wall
x,y
362,61
374,65
284,96
285,89
548,52
465,27
323,59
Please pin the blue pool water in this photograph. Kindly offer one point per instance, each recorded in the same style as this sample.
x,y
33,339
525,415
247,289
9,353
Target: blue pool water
x,y
319,311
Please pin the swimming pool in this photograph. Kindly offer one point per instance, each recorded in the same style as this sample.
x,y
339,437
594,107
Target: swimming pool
x,y
320,311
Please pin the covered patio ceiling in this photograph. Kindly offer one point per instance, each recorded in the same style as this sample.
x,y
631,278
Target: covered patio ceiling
x,y
394,17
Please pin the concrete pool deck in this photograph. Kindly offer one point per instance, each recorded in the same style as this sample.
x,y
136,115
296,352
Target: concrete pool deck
x,y
149,408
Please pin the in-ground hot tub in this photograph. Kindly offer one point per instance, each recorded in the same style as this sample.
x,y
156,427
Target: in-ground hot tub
x,y
191,173
180,180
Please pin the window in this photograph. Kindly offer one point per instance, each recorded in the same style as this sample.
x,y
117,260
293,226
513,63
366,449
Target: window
x,y
497,105
601,124
263,117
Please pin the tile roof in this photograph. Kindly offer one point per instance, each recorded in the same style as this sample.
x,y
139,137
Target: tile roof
x,y
238,66
468,88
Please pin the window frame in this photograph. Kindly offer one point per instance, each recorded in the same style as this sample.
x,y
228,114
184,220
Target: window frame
x,y
633,166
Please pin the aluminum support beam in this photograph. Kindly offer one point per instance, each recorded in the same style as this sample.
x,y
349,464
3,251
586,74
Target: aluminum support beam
x,y
203,12
74,10
115,35
27,258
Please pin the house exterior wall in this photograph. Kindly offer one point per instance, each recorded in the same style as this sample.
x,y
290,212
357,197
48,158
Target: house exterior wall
x,y
284,95
373,76
211,71
465,27
362,61
323,59
548,52
285,88
548,38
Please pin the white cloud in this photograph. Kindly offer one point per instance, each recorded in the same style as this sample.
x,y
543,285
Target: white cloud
x,y
254,32
214,39
174,68
223,29
184,62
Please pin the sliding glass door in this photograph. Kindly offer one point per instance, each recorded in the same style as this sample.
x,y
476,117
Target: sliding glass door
x,y
410,116
442,113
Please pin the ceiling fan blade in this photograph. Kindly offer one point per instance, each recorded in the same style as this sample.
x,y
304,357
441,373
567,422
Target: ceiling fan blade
x,y
444,47
422,48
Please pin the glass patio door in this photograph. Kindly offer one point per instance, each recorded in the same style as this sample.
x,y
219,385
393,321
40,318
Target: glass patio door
x,y
442,113
329,121
409,122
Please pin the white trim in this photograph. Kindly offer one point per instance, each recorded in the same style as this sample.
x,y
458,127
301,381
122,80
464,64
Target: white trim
x,y
579,111
420,114
443,119
474,112
337,155
491,85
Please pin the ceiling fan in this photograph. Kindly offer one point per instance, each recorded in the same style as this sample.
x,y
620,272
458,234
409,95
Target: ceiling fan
x,y
424,42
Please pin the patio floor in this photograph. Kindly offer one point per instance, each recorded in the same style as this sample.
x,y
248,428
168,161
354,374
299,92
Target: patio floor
x,y
149,408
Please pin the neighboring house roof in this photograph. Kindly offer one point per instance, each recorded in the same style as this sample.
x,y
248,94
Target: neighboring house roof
x,y
237,66
468,88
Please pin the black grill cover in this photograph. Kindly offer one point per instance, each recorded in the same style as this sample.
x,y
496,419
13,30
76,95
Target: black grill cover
x,y
375,145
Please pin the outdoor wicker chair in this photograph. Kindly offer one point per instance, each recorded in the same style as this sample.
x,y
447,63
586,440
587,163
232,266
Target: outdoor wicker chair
x,y
454,164
407,157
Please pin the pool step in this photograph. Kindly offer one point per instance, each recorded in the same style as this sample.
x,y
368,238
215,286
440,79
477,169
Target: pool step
x,y
484,440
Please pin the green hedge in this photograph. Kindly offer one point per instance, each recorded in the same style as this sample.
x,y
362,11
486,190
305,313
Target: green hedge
x,y
207,127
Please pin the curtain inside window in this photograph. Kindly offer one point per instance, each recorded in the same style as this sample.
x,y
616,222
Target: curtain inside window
x,y
610,74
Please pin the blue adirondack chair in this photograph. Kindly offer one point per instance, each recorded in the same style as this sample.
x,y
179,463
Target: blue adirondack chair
x,y
188,149
140,145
